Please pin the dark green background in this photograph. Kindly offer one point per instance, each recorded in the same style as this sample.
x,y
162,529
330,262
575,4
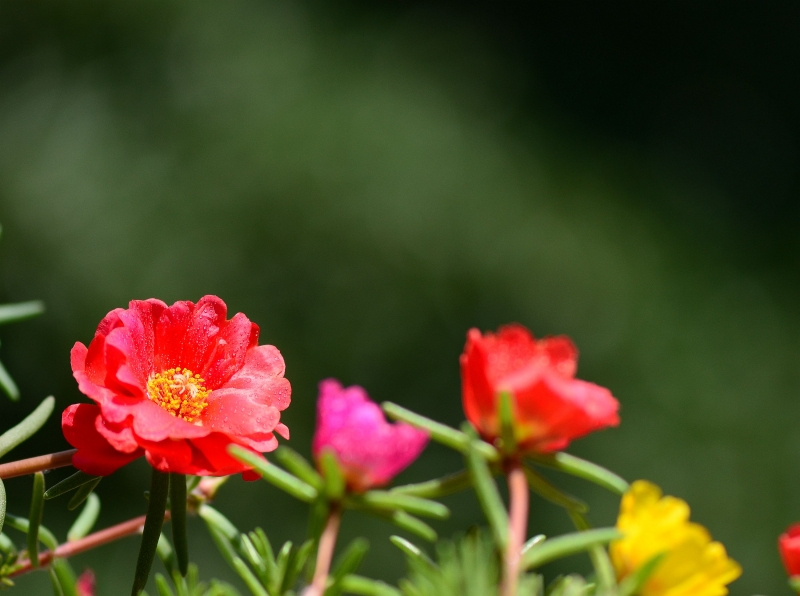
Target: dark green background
x,y
368,180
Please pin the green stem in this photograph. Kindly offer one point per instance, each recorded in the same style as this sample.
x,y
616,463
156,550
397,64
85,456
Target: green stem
x,y
177,499
159,489
35,518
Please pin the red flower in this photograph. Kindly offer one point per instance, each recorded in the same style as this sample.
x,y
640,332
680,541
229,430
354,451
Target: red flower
x,y
551,407
176,384
789,547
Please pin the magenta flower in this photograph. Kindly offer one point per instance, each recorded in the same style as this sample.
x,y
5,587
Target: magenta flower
x,y
369,450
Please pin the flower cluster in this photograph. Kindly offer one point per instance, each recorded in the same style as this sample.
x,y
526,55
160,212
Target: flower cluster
x,y
194,393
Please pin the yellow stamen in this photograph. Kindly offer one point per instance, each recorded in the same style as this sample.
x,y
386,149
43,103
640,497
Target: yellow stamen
x,y
179,392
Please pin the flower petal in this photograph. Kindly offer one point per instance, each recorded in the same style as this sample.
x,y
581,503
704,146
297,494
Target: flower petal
x,y
370,450
233,411
95,455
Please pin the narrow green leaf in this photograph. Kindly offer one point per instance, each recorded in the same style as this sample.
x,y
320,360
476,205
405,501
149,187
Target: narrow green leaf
x,y
250,580
568,544
575,466
298,562
86,520
532,542
11,313
7,384
83,493
275,475
332,474
163,586
570,585
350,559
604,570
634,583
57,591
21,524
35,518
362,586
159,491
267,553
415,505
77,480
248,549
215,519
23,431
223,543
166,554
3,504
299,466
65,576
505,413
437,488
488,497
282,565
441,433
542,486
177,500
407,522
192,483
412,551
7,545
318,517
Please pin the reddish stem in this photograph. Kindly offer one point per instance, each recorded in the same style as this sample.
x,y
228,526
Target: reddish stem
x,y
76,547
327,544
41,463
517,525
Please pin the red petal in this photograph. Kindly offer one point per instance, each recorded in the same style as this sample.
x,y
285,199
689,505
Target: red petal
x,y
229,350
119,436
95,455
555,411
170,456
153,423
250,476
561,353
170,335
478,395
262,376
234,412
261,442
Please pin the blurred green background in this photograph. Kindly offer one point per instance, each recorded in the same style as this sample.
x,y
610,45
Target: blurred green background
x,y
368,180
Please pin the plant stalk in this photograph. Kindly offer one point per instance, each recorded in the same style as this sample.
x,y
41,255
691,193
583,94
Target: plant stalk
x,y
518,502
40,463
159,491
76,547
327,544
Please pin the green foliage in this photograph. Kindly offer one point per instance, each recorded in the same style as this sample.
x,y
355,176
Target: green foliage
x,y
174,584
70,483
252,557
12,313
25,429
466,566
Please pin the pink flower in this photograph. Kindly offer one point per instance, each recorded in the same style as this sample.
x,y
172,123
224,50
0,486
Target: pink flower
x,y
369,450
85,583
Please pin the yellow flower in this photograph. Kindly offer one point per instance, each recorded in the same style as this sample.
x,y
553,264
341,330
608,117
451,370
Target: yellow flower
x,y
691,564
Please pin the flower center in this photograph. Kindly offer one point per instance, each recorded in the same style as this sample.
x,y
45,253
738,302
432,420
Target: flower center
x,y
179,392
